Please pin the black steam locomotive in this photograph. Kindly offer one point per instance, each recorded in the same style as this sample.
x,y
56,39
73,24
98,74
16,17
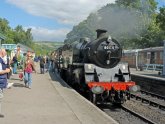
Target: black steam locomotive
x,y
94,68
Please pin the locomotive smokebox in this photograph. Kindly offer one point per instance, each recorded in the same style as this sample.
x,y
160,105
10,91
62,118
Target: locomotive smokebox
x,y
100,32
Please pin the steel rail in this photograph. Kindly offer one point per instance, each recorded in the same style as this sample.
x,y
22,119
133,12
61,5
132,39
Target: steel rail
x,y
138,115
151,103
153,94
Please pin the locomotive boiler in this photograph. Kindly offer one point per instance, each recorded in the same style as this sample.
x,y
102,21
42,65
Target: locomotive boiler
x,y
94,68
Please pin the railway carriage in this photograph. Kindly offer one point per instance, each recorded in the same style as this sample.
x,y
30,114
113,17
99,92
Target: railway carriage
x,y
137,58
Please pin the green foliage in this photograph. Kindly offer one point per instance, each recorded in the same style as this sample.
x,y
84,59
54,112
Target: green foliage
x,y
144,6
76,33
44,48
160,19
4,26
20,35
17,35
131,22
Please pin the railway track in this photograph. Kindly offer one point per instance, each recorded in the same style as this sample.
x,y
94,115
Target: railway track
x,y
153,94
150,99
133,112
147,120
125,115
143,107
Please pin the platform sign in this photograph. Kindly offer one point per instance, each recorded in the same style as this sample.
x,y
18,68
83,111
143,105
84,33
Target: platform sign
x,y
164,60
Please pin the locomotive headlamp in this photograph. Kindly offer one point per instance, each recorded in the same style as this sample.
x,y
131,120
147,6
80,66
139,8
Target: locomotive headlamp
x,y
124,67
134,88
97,89
89,66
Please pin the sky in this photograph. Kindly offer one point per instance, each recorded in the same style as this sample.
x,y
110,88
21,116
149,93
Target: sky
x,y
50,20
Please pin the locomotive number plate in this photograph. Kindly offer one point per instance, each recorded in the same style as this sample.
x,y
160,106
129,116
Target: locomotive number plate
x,y
109,47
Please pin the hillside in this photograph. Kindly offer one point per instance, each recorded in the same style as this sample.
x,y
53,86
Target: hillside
x,y
50,45
46,47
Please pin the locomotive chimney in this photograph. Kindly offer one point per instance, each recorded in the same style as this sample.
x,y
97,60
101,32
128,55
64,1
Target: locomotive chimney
x,y
100,32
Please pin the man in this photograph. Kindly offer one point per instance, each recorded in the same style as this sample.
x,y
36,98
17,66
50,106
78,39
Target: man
x,y
3,76
42,65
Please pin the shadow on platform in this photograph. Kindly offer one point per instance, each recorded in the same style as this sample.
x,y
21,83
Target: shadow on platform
x,y
18,85
56,77
14,79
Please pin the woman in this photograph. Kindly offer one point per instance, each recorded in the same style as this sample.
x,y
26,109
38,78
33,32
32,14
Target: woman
x,y
29,67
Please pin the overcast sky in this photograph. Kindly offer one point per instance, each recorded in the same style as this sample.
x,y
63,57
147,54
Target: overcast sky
x,y
50,20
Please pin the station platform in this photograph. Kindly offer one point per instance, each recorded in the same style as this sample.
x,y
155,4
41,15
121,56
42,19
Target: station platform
x,y
147,73
49,101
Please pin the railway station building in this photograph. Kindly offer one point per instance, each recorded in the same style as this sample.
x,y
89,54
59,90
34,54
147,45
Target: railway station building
x,y
13,49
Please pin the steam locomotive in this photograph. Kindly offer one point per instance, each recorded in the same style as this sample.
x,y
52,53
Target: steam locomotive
x,y
94,68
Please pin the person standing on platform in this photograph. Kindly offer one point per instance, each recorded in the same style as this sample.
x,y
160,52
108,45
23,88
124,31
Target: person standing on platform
x,y
42,65
3,76
14,62
29,67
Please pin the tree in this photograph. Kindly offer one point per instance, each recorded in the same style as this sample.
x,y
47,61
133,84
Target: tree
x,y
23,36
144,6
80,31
4,26
129,3
160,19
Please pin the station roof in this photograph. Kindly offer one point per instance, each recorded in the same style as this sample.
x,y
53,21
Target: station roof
x,y
132,51
151,49
25,48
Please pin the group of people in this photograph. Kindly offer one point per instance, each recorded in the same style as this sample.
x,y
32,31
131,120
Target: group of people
x,y
45,63
9,66
28,67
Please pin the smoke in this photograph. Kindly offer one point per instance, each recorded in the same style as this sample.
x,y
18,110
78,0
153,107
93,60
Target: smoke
x,y
122,22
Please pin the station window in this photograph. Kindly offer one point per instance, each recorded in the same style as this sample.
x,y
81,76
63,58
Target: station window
x,y
161,55
148,55
155,56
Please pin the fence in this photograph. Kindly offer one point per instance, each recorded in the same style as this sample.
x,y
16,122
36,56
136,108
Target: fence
x,y
153,67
